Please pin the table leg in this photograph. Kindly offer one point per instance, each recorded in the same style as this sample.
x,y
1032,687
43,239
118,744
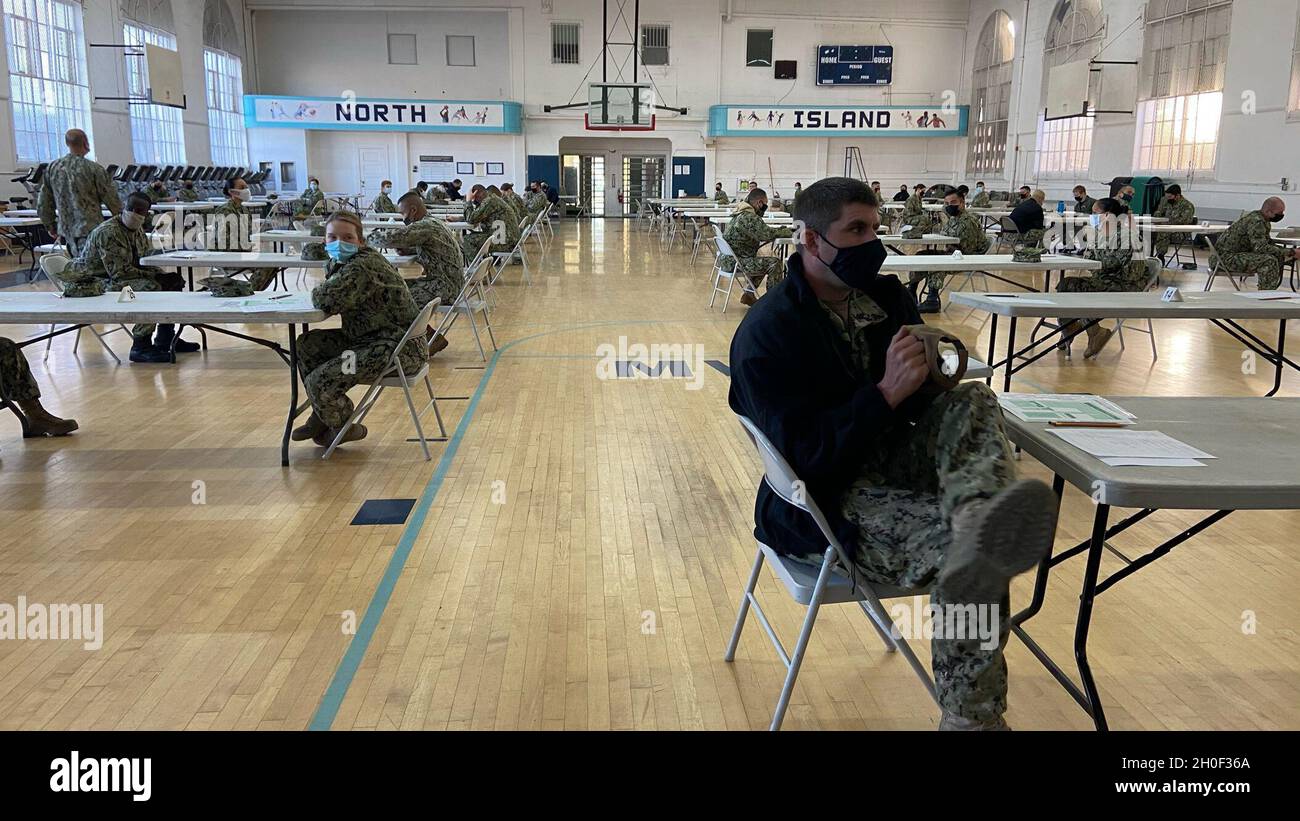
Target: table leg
x,y
993,341
1095,548
1281,358
293,394
1011,354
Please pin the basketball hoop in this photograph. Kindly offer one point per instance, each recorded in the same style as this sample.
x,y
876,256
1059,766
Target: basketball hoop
x,y
616,126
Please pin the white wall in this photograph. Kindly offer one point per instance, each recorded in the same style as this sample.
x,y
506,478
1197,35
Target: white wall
x,y
110,123
1255,150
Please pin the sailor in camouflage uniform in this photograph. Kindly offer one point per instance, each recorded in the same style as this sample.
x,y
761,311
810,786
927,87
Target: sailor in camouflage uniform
x,y
1113,246
1179,211
914,209
112,256
157,192
535,201
383,204
981,199
312,200
966,227
230,223
74,192
435,247
488,216
376,309
187,192
720,197
1247,246
746,233
17,385
927,482
516,201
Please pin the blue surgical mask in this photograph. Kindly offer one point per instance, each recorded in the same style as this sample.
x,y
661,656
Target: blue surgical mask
x,y
340,251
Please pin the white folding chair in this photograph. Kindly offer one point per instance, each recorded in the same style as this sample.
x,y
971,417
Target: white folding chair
x,y
1237,278
52,265
726,257
810,585
1154,266
468,302
395,376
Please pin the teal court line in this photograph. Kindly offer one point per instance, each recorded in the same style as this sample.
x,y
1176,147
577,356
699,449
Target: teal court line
x,y
345,672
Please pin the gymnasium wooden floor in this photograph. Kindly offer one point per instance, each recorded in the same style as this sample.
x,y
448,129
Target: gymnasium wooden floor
x,y
594,589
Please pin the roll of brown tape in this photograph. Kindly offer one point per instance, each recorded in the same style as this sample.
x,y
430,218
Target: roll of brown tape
x,y
932,338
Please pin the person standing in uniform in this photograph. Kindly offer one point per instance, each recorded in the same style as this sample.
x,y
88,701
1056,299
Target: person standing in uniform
x,y
746,233
1179,211
376,308
488,216
1113,247
1247,246
437,250
972,240
112,253
383,204
919,488
74,192
17,385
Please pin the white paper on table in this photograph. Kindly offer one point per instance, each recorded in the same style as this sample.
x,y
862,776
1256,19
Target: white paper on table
x,y
1134,462
1020,300
284,303
1290,296
1143,444
1062,407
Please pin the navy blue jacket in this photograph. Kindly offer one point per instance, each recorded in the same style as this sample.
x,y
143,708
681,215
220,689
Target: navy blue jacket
x,y
794,377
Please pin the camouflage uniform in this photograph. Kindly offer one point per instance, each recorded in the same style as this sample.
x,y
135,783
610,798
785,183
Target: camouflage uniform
x,y
229,222
902,503
484,218
1084,206
516,209
721,198
377,309
155,196
187,195
75,188
15,374
746,233
309,202
438,251
112,255
1119,270
1247,248
517,202
535,202
971,240
1182,212
981,200
913,209
383,205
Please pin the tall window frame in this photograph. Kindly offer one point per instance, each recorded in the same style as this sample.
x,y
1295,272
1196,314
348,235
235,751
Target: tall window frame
x,y
991,96
1076,32
224,83
157,131
49,87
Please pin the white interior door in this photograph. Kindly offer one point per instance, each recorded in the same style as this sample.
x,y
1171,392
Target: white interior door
x,y
372,168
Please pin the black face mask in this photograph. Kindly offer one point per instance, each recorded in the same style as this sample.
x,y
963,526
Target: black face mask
x,y
952,210
760,210
1078,198
1277,218
857,266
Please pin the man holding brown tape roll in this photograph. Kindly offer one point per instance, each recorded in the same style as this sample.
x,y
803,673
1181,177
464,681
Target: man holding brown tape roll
x,y
916,480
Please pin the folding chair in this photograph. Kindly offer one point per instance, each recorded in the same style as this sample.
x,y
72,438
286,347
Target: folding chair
x,y
52,265
1008,233
1154,266
720,273
394,376
830,584
503,258
469,302
1216,270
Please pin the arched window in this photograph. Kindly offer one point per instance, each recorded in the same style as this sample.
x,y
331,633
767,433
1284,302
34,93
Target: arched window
x,y
1180,85
1293,104
157,133
224,80
991,96
1075,33
48,87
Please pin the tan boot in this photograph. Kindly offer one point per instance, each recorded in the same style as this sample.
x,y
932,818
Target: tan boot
x,y
309,430
41,422
1097,339
437,342
994,540
327,434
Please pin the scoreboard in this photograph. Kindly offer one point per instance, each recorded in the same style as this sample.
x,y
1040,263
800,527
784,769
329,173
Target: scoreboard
x,y
855,65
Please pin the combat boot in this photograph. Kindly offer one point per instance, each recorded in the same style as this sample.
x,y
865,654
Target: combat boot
x,y
142,350
41,422
994,540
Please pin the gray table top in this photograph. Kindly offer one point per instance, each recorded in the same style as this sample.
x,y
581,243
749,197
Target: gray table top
x,y
45,307
1214,305
1253,438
